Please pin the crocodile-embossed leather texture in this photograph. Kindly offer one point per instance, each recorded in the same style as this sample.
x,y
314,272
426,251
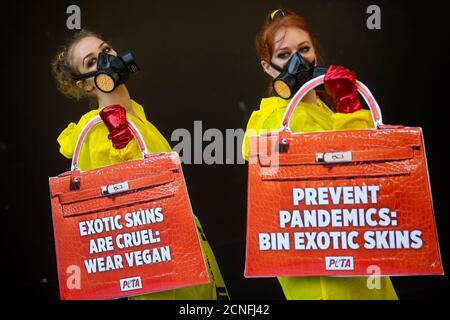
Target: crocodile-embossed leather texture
x,y
153,182
391,157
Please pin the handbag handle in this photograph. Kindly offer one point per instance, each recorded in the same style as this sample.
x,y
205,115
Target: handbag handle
x,y
94,121
362,89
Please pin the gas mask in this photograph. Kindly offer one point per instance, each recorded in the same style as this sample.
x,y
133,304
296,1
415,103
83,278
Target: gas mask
x,y
296,73
111,71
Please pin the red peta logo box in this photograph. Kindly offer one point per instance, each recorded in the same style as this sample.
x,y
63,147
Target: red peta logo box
x,y
339,263
130,284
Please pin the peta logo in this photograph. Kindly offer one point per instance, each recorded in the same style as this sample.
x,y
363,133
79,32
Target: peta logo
x,y
130,284
339,263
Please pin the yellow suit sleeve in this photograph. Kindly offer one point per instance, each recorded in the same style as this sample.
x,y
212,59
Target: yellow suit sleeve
x,y
361,119
252,128
307,117
66,141
98,151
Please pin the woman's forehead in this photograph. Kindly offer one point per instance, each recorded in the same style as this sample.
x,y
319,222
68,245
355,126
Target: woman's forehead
x,y
84,47
290,37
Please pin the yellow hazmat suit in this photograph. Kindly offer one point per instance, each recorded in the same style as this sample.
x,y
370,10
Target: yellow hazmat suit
x,y
97,151
306,118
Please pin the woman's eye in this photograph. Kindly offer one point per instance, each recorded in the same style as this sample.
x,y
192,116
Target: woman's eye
x,y
283,55
304,50
107,49
92,62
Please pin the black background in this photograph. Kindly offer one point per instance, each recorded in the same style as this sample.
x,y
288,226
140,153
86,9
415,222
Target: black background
x,y
199,63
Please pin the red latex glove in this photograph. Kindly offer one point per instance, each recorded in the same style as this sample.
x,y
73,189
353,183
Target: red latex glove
x,y
115,119
340,83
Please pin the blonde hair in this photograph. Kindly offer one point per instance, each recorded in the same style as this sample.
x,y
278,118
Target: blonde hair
x,y
64,71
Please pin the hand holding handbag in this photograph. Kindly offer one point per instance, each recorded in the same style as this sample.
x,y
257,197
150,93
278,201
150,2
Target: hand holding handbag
x,y
125,229
338,203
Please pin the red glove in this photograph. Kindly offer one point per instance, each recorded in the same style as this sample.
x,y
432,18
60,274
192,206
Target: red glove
x,y
340,83
115,119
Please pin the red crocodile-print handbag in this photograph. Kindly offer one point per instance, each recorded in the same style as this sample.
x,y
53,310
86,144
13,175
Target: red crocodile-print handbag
x,y
340,203
125,229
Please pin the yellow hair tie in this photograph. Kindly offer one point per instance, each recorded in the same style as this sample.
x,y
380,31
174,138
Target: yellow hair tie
x,y
276,14
61,56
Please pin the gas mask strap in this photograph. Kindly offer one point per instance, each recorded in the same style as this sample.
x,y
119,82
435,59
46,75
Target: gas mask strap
x,y
85,76
276,67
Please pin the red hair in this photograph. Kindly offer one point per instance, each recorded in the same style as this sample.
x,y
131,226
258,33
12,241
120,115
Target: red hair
x,y
266,36
265,41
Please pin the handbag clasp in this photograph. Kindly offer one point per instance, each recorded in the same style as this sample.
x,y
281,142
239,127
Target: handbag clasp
x,y
334,157
115,188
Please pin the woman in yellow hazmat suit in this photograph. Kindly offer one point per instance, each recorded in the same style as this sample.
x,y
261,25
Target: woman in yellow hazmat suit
x,y
283,35
73,68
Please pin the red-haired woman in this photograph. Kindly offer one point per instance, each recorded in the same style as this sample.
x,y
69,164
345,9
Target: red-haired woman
x,y
74,68
283,35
